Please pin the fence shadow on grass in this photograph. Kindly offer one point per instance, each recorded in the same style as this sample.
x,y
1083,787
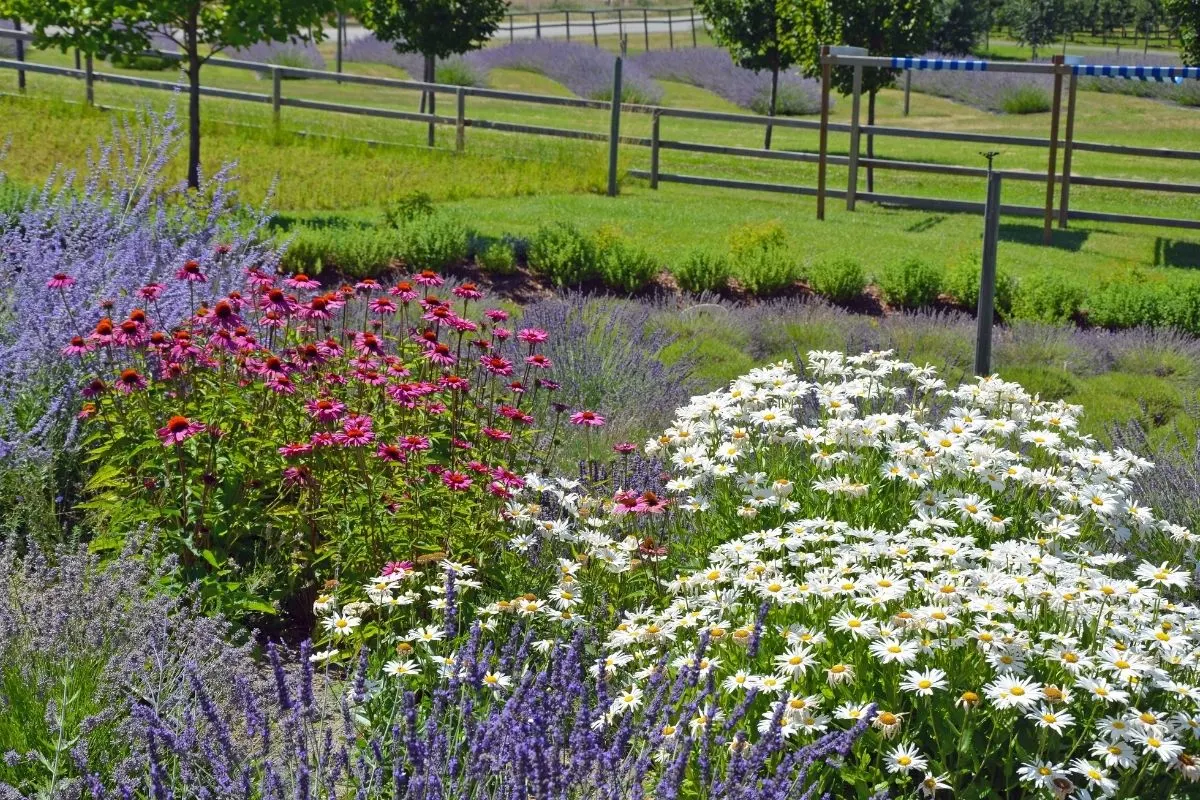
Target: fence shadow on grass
x,y
922,225
1176,253
1031,233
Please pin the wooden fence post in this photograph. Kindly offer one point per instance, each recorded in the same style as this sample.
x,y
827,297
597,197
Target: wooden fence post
x,y
654,138
693,17
826,75
620,24
595,36
855,106
276,94
341,41
1052,166
511,35
614,131
568,13
670,31
432,111
460,119
20,57
1064,202
986,310
89,79
646,27
907,89
537,20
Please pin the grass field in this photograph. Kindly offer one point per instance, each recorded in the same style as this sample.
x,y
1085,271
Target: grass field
x,y
510,184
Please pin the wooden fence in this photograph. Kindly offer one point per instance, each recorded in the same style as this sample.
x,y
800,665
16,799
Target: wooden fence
x,y
1054,177
622,22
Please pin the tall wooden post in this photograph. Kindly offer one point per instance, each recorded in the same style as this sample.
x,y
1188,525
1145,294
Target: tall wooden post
x,y
341,41
907,89
646,27
460,119
90,79
614,131
20,57
568,15
986,310
1052,166
654,139
595,36
693,17
537,21
855,106
670,31
826,76
276,94
1064,201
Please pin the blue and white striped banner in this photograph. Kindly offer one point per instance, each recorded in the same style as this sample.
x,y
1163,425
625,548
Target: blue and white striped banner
x,y
953,64
1160,74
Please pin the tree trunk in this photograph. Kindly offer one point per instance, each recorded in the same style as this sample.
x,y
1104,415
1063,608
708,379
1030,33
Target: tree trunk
x,y
191,36
771,107
871,139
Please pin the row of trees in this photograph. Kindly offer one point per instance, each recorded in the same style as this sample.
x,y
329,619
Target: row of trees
x,y
1041,22
203,28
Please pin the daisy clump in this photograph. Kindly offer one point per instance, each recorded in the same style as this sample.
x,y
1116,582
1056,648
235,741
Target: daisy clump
x,y
857,533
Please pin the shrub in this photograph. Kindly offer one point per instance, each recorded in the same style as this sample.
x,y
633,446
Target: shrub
x,y
562,253
911,284
1126,305
1047,298
407,207
623,265
497,258
355,252
703,271
434,241
963,285
840,280
458,72
751,238
792,100
142,62
762,271
1025,100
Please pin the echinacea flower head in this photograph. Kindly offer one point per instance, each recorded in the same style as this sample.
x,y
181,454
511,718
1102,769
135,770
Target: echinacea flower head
x,y
456,481
190,272
301,281
428,277
130,381
468,291
325,409
590,418
60,280
178,429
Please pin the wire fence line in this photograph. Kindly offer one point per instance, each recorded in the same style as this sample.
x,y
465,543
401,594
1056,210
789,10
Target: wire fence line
x,y
1058,178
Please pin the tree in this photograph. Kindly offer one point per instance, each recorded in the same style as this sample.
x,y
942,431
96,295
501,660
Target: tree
x,y
959,24
202,28
1185,15
434,28
883,27
753,31
1036,23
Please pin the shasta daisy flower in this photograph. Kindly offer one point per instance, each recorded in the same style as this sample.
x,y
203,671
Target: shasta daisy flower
x,y
906,758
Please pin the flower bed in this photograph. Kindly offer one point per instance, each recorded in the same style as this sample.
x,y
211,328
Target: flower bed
x,y
711,68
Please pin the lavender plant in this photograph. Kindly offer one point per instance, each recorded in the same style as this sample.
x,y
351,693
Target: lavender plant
x,y
101,246
456,70
586,71
301,54
712,68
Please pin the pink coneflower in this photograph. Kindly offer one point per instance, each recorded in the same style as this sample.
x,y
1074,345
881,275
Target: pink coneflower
x,y
77,347
497,434
438,315
516,387
468,291
322,439
368,343
624,448
356,432
103,332
295,449
317,309
178,429
498,489
94,388
382,305
396,568
325,409
367,285
190,272
86,411
497,365
276,299
60,280
413,443
405,291
461,444
301,281
272,319
463,325
258,279
532,335
653,504
539,361
547,384
130,381
456,481
371,377
281,384
626,502
496,314
223,249
129,334
587,418
510,479
434,408
389,453
427,277
151,291
501,334
224,315
455,383
299,475
440,354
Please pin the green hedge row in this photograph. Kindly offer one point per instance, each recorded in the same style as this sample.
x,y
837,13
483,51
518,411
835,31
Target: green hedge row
x,y
759,260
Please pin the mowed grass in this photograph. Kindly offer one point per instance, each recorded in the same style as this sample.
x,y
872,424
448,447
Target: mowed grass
x,y
507,183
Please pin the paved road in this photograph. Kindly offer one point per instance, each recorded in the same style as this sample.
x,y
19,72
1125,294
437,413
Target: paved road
x,y
581,27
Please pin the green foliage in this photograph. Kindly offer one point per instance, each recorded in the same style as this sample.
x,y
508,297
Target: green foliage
x,y
434,241
767,270
1129,305
753,33
1025,100
562,253
1186,16
497,258
1036,23
456,72
746,240
353,251
959,25
963,285
911,284
839,280
703,271
407,207
434,28
1047,298
141,62
623,265
1050,383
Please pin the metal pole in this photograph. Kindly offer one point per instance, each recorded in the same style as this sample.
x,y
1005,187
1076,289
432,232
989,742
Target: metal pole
x,y
670,31
826,74
614,131
855,106
654,151
646,27
1068,148
276,93
907,89
987,274
693,17
1051,168
20,57
89,80
595,36
460,120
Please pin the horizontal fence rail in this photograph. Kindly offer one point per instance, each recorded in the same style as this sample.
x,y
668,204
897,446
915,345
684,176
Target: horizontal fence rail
x,y
657,143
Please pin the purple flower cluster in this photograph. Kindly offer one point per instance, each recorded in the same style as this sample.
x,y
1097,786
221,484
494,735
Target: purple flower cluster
x,y
586,71
712,68
300,54
82,249
458,70
549,736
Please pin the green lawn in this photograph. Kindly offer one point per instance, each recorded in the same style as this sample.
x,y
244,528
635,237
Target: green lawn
x,y
508,183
